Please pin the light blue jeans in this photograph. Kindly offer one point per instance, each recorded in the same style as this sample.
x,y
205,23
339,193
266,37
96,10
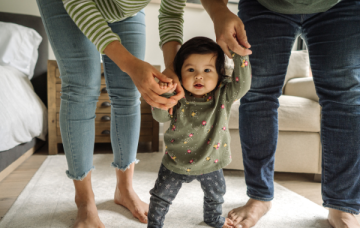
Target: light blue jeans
x,y
79,65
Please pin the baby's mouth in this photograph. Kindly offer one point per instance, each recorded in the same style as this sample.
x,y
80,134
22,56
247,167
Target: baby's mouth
x,y
198,86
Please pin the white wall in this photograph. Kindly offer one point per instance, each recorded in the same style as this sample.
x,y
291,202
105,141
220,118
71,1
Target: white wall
x,y
197,23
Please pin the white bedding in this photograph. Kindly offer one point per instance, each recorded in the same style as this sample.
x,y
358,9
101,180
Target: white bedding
x,y
23,115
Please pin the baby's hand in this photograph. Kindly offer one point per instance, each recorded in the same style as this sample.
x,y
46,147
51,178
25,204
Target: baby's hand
x,y
229,224
165,85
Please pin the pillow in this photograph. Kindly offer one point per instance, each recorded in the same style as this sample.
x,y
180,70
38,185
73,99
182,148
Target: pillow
x,y
19,47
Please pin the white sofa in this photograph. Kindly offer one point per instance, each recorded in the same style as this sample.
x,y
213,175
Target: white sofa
x,y
299,147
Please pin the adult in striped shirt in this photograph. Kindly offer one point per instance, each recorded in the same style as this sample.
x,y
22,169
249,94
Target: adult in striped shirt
x,y
78,31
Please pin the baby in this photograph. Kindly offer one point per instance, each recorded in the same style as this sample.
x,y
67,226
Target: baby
x,y
198,140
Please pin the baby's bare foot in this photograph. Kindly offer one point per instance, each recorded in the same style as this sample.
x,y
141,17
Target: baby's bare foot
x,y
340,219
87,217
248,215
229,224
130,200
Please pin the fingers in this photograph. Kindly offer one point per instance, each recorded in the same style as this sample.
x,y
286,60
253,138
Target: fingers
x,y
154,103
171,88
225,48
163,85
234,38
152,97
179,93
234,45
158,88
241,36
162,77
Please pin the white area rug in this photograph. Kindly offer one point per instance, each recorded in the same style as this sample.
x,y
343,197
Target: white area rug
x,y
48,199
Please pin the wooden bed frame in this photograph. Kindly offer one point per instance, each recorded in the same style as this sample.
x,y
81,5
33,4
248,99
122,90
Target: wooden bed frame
x,y
11,159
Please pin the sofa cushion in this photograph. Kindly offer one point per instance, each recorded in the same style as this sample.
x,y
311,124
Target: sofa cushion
x,y
301,87
299,65
295,114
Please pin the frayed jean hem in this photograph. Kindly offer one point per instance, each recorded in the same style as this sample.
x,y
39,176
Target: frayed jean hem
x,y
79,178
259,198
341,209
126,167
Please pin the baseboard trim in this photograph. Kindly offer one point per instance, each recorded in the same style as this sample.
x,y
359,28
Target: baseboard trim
x,y
18,162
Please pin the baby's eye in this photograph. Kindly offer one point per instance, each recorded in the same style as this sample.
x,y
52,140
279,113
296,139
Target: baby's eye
x,y
191,70
207,70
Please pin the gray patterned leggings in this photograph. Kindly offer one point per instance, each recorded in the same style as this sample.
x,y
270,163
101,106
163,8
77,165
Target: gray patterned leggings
x,y
168,185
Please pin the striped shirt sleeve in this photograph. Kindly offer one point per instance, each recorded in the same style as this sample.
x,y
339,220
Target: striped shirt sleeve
x,y
171,21
88,18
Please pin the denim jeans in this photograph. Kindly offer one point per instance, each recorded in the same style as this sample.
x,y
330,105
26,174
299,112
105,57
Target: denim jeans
x,y
168,185
79,65
333,41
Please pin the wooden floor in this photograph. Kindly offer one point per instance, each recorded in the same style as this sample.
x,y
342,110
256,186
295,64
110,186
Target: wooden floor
x,y
12,185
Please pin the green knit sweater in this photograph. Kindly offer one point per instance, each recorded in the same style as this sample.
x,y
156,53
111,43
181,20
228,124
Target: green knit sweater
x,y
198,139
92,18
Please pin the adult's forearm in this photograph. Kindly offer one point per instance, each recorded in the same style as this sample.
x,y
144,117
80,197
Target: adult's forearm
x,y
169,51
119,55
214,7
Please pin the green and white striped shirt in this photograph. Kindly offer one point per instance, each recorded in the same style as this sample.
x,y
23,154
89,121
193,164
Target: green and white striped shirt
x,y
92,16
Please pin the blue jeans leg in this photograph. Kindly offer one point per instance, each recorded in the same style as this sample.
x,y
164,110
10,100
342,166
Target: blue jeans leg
x,y
272,37
124,96
79,65
333,41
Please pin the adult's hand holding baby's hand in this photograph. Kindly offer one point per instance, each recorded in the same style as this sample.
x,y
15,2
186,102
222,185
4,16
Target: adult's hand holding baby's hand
x,y
178,88
229,29
143,76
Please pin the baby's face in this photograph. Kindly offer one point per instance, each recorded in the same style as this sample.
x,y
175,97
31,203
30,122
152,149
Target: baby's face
x,y
199,74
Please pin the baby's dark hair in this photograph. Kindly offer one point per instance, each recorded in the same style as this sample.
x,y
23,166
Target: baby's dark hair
x,y
200,45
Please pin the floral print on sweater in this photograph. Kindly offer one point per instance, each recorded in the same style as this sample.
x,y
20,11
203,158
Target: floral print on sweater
x,y
196,141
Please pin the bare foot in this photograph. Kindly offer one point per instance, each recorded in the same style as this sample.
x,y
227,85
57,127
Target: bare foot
x,y
249,214
130,200
341,219
87,217
229,224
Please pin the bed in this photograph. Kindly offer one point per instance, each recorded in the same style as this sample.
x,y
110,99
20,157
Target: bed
x,y
19,139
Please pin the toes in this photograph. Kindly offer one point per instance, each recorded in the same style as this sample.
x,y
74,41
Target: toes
x,y
232,215
142,216
143,219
